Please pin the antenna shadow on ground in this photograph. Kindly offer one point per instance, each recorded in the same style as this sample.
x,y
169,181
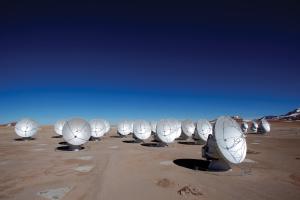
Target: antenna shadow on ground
x,y
188,143
68,148
152,144
129,141
24,139
116,136
57,136
63,143
194,164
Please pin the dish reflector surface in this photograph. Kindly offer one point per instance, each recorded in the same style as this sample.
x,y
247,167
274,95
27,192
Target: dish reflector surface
x,y
76,131
26,128
265,125
141,129
125,127
166,131
244,127
230,140
107,126
254,126
188,127
204,129
176,126
58,127
98,128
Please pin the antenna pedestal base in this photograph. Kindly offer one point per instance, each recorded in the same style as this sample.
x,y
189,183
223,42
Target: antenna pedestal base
x,y
95,139
25,139
219,165
75,148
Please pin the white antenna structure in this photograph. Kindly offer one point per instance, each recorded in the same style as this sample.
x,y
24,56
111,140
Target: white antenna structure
x,y
226,146
76,131
26,128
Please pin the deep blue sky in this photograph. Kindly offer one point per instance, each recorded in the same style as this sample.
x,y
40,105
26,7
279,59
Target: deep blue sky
x,y
148,60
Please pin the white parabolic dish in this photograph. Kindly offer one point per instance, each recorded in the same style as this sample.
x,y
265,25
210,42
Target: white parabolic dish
x,y
254,124
76,131
58,127
188,127
166,131
177,125
107,126
265,125
98,128
26,128
245,125
125,127
141,129
230,140
204,129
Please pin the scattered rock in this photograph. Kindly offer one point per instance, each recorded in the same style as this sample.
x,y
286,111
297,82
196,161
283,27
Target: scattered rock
x,y
189,190
54,194
295,178
246,171
165,183
84,168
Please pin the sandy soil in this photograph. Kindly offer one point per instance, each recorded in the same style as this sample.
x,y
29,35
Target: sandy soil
x,y
115,169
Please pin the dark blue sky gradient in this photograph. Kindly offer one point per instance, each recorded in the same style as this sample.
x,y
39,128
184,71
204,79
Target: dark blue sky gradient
x,y
148,60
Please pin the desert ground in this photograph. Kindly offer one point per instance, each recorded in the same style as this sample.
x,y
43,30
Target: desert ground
x,y
116,168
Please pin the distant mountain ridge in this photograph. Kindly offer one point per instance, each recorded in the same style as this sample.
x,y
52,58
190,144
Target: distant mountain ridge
x,y
8,124
292,115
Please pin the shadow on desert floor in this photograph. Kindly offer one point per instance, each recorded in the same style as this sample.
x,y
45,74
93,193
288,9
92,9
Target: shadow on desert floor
x,y
194,164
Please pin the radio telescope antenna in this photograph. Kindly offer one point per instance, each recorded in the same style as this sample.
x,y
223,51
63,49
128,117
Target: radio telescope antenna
x,y
244,127
177,126
166,131
125,128
26,128
254,127
107,126
188,128
226,146
204,129
76,132
264,126
98,128
58,127
141,130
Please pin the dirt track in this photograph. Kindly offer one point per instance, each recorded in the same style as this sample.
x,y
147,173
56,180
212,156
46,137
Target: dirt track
x,y
114,169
